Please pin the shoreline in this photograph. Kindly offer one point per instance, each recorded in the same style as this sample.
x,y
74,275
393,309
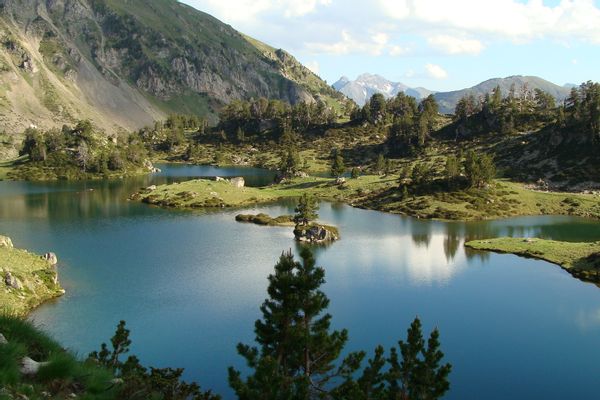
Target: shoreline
x,y
580,259
505,199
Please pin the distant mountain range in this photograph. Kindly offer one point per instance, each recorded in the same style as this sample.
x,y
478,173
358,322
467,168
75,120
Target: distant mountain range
x,y
366,85
361,89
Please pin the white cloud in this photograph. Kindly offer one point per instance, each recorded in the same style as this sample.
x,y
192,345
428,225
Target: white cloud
x,y
244,11
435,71
396,50
298,8
396,8
570,19
313,66
385,27
373,45
452,45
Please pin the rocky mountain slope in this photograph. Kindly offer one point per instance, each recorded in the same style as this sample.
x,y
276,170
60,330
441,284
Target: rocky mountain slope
x,y
366,85
361,89
124,64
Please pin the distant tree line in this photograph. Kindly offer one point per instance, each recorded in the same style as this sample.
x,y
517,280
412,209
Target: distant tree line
x,y
82,149
240,118
525,109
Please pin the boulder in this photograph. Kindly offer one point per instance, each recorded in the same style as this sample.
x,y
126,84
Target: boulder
x,y
30,366
6,242
151,187
340,181
219,179
51,258
3,340
238,182
150,167
12,281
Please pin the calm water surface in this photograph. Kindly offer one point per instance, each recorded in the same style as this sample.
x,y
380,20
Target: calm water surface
x,y
190,283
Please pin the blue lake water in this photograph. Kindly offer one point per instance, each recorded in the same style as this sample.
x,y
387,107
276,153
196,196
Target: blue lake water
x,y
190,283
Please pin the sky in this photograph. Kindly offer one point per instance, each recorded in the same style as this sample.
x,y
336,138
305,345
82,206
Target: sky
x,y
437,44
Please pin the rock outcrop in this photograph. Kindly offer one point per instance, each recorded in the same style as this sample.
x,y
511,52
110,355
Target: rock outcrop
x,y
5,241
12,281
238,182
316,234
51,258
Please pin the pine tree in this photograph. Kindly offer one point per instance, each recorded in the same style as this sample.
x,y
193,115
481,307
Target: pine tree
x,y
417,374
306,210
337,168
297,353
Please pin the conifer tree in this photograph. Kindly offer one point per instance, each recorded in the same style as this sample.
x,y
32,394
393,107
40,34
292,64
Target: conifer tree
x,y
297,352
306,210
337,167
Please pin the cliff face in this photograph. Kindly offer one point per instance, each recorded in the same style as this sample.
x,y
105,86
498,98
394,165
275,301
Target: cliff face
x,y
125,63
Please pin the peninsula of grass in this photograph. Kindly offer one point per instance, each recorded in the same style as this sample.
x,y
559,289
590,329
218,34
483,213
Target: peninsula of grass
x,y
582,260
26,281
200,193
266,220
501,199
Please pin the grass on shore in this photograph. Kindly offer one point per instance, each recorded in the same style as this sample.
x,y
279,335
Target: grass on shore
x,y
37,279
501,200
62,378
581,259
266,220
200,193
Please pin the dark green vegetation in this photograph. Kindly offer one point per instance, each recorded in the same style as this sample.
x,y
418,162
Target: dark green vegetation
x,y
297,358
298,353
79,152
582,260
26,280
103,375
124,64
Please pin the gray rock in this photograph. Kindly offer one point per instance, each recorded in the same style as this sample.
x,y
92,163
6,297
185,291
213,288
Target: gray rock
x,y
238,182
51,258
12,281
6,242
151,187
30,366
3,339
340,181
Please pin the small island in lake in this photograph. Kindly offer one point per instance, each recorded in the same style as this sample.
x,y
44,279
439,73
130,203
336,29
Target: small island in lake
x,y
305,229
582,260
